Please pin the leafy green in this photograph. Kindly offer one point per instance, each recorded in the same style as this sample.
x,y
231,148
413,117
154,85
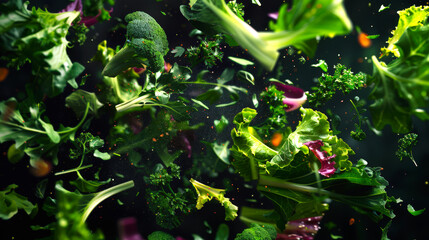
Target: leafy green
x,y
78,101
39,37
382,7
221,150
241,61
86,143
36,137
385,230
221,124
343,79
276,120
322,65
405,147
206,193
168,206
11,202
285,176
298,25
408,18
74,208
401,87
208,52
414,212
358,134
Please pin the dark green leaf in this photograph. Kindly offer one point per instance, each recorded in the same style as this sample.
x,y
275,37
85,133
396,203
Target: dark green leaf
x,y
221,124
11,202
79,100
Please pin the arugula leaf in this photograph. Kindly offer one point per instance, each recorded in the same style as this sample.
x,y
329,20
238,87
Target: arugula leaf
x,y
39,37
24,126
11,202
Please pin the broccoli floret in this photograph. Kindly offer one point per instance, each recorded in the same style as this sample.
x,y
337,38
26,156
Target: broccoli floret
x,y
258,232
158,235
145,46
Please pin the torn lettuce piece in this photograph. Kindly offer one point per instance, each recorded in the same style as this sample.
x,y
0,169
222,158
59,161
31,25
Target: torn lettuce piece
x,y
207,193
410,17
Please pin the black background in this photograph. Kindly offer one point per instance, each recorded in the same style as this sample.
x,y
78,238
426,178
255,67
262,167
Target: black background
x,y
406,181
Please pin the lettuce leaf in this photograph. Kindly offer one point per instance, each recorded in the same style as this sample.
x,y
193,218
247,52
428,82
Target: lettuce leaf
x,y
39,37
410,17
401,87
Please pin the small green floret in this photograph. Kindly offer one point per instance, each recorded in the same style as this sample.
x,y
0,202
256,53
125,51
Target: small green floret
x,y
405,147
258,232
158,235
145,46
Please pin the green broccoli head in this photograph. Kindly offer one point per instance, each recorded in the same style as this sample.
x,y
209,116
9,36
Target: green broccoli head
x,y
258,232
141,25
146,46
158,235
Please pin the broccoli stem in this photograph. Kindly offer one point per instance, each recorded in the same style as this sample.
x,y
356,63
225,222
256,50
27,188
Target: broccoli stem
x,y
247,36
122,60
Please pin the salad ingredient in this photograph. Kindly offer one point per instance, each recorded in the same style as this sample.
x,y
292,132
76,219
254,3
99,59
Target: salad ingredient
x,y
146,46
298,26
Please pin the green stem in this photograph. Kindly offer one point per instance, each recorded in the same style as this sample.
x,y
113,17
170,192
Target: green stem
x,y
101,196
73,170
85,114
357,112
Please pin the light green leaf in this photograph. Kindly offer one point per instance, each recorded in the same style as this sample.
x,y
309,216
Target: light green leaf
x,y
52,134
414,212
241,61
101,155
207,193
199,103
322,65
410,17
382,7
221,124
246,76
